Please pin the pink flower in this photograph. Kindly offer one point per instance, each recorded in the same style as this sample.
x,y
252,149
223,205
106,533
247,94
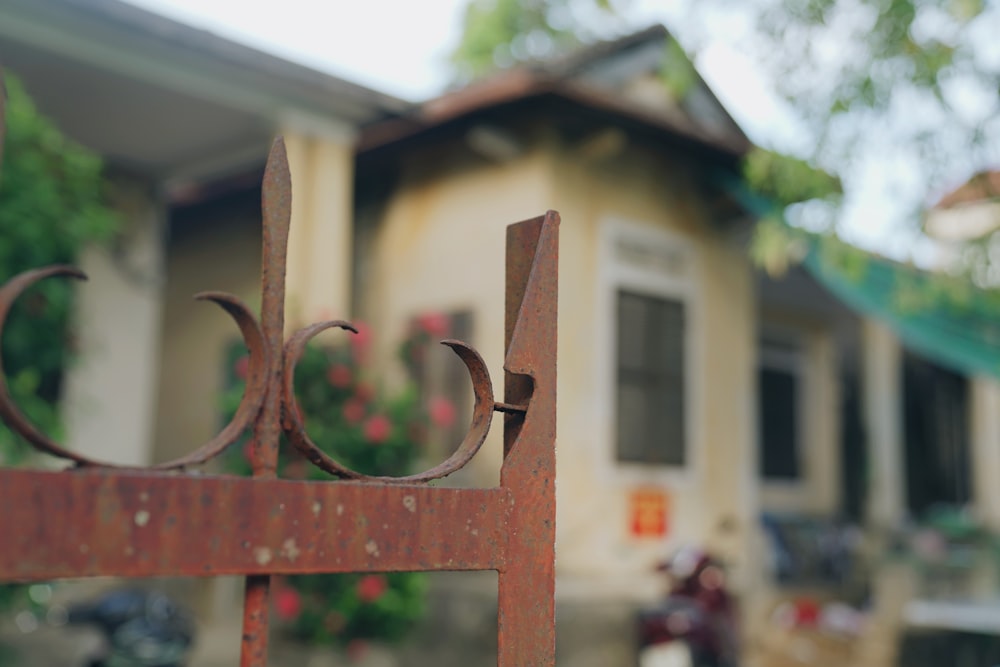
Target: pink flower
x,y
287,603
371,587
340,376
356,649
436,325
242,367
354,410
361,341
442,412
377,429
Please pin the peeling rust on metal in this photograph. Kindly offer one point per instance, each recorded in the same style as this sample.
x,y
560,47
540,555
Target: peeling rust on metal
x,y
104,519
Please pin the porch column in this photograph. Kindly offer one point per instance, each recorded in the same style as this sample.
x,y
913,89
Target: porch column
x,y
320,244
110,393
883,411
985,446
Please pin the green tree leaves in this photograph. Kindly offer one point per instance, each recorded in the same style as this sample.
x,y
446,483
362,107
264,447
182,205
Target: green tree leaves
x,y
51,205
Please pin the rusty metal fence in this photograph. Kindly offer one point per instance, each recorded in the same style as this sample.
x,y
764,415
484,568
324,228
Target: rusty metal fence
x,y
101,519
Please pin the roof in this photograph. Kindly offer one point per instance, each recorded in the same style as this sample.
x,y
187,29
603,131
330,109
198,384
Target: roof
x,y
127,26
983,186
568,79
160,98
943,317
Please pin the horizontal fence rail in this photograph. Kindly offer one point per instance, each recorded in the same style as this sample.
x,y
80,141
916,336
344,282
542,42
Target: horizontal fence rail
x,y
99,519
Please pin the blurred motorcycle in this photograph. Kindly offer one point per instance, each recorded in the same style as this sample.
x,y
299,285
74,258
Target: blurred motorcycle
x,y
695,624
141,628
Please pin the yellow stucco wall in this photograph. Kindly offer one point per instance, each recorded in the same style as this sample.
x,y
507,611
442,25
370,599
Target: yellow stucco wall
x,y
440,244
440,247
711,500
219,253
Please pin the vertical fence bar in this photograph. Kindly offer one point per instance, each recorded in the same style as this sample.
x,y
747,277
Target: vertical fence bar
x,y
526,632
276,207
104,521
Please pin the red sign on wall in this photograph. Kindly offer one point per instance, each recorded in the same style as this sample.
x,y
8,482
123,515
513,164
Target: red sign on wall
x,y
648,513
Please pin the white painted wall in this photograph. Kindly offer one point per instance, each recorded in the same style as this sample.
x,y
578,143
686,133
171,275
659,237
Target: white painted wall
x,y
110,393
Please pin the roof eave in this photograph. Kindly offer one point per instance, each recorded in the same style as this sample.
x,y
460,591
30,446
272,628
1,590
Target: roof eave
x,y
115,35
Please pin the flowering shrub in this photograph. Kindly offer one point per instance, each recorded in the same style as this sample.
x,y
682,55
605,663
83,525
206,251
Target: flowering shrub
x,y
371,431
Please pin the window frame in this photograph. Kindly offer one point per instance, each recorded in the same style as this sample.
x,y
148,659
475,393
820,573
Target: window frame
x,y
646,379
673,280
818,488
796,362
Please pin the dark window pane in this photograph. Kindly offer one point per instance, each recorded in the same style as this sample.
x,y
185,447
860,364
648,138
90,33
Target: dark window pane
x,y
936,430
650,397
633,320
778,396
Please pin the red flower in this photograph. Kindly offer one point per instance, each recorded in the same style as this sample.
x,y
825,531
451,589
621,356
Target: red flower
x,y
356,649
242,367
377,429
364,392
287,603
442,412
340,376
361,341
354,410
371,587
436,325
806,613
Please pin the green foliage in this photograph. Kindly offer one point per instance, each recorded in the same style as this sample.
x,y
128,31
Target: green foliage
x,y
677,71
368,430
912,78
774,245
51,206
500,33
787,180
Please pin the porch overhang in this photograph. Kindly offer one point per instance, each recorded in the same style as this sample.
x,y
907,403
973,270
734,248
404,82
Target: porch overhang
x,y
162,98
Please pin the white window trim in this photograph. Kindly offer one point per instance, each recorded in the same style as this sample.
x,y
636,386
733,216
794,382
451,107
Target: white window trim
x,y
803,494
615,275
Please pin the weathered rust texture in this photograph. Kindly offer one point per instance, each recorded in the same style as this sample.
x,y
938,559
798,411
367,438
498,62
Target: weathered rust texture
x,y
102,523
527,582
101,519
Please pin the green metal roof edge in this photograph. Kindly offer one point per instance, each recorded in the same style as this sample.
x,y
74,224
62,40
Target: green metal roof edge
x,y
971,345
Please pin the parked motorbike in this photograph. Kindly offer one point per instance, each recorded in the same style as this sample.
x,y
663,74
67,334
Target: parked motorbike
x,y
141,628
695,624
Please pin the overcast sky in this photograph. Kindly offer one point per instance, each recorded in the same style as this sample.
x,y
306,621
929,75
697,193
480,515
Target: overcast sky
x,y
401,47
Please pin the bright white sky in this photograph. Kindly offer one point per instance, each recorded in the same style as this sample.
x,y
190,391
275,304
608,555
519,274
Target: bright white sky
x,y
401,47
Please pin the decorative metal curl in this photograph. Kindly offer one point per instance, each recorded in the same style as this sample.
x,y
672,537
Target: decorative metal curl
x,y
253,397
271,374
294,425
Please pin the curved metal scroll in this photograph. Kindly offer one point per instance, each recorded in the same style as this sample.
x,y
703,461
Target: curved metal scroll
x,y
253,397
294,425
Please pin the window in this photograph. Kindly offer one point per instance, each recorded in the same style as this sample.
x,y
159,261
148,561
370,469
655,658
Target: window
x,y
936,435
779,387
650,383
442,378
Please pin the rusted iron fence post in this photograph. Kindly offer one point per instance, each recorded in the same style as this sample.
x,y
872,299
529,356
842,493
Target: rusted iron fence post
x,y
100,519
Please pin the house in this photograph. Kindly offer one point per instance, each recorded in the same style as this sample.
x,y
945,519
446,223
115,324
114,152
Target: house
x,y
696,394
184,119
